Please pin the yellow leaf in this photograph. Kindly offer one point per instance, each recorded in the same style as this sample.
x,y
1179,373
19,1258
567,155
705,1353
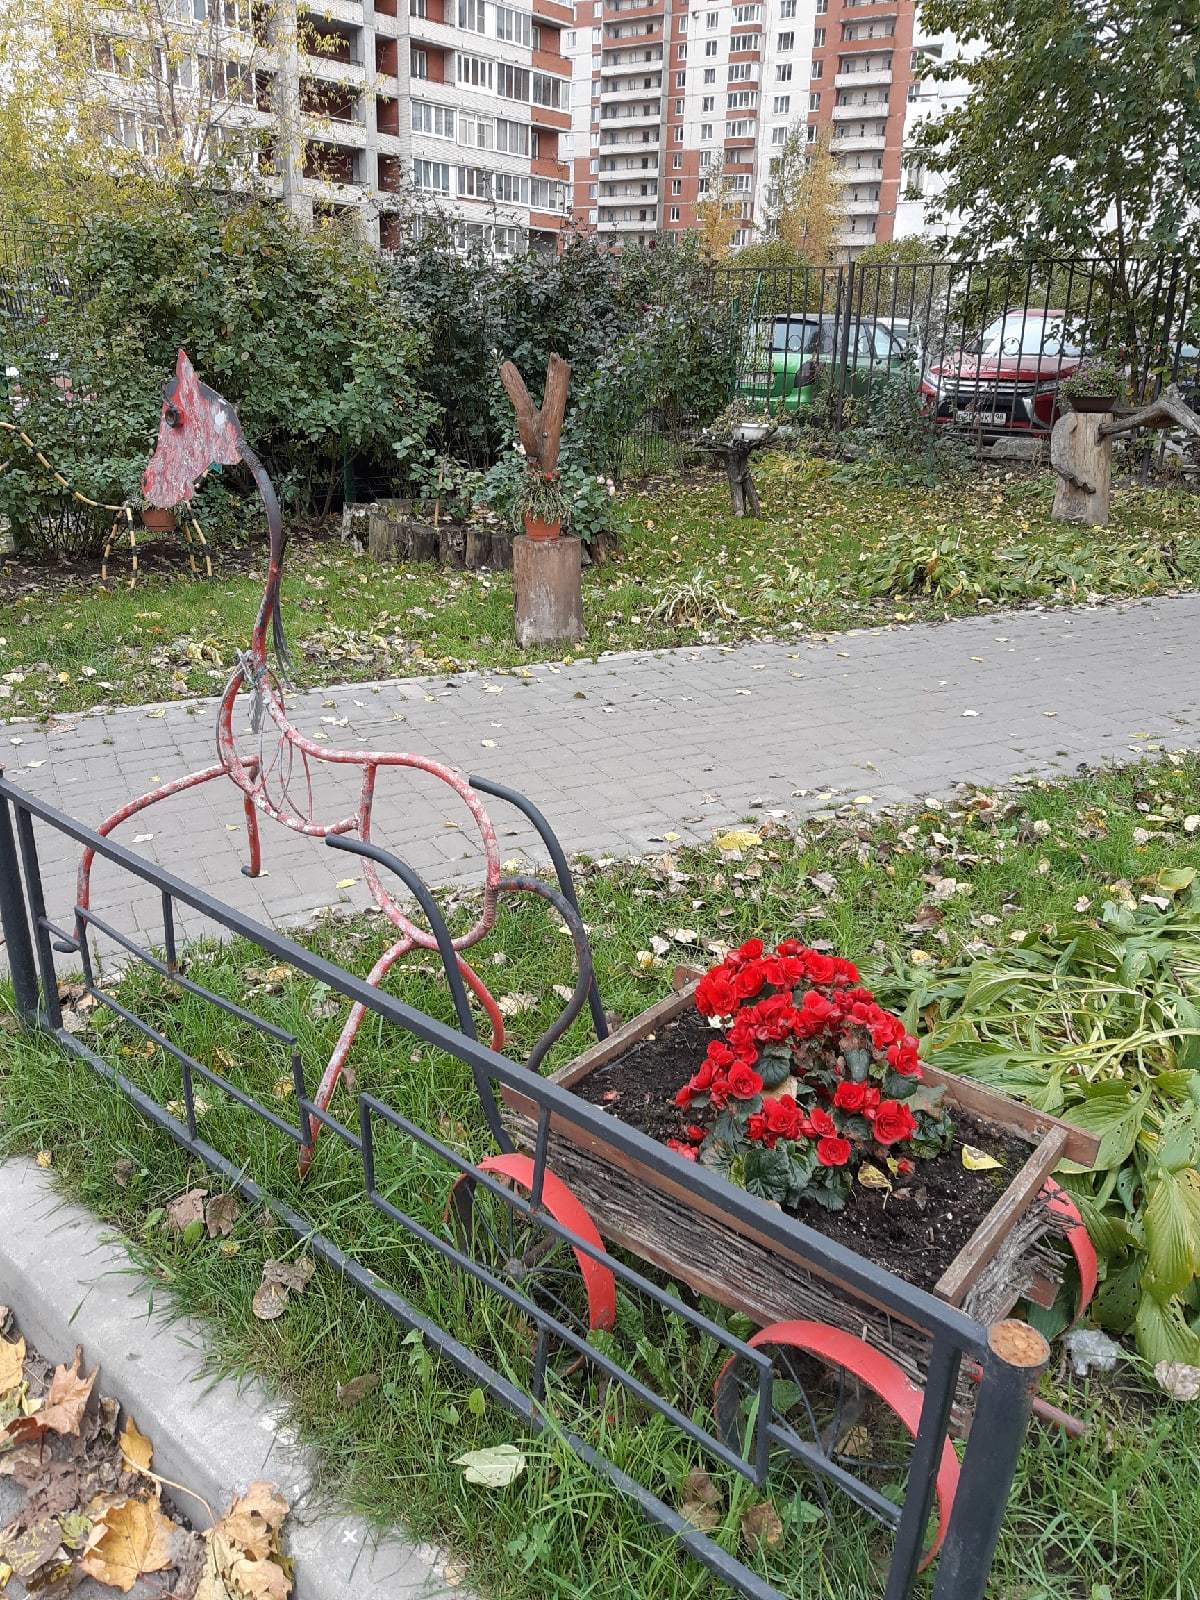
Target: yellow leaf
x,y
346,883
978,1160
131,1538
871,1178
12,1364
44,1159
135,1447
738,839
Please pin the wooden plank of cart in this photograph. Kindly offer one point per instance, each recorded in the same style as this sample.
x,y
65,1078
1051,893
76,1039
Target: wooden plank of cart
x,y
1013,1253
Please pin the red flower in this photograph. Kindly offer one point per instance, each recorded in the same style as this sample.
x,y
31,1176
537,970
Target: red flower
x,y
756,1127
681,1149
833,1152
850,1097
893,1121
784,1118
695,1133
749,981
751,950
715,994
719,1054
905,1168
903,1058
821,1122
744,1082
683,1097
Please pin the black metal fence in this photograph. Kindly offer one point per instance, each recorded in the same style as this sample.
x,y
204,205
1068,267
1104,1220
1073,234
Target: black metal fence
x,y
765,1442
988,343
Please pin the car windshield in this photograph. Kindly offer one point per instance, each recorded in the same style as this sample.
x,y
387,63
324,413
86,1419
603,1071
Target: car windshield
x,y
1015,334
787,334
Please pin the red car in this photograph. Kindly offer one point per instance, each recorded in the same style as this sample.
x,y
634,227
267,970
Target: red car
x,y
1010,383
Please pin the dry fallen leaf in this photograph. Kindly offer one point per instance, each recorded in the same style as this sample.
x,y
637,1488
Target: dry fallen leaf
x,y
12,1364
1178,1380
241,1555
349,1394
978,1160
186,1209
65,1404
131,1537
280,1280
514,1005
220,1214
700,1501
135,1447
871,1178
738,839
252,1521
494,1468
762,1524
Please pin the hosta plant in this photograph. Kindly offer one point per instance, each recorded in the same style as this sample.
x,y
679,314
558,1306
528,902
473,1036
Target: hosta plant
x,y
1098,1021
808,1081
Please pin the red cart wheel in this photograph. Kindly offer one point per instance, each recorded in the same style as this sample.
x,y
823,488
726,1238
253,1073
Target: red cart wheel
x,y
1079,1241
836,1391
557,1277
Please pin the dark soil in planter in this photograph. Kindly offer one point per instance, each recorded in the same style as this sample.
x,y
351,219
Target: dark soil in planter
x,y
915,1231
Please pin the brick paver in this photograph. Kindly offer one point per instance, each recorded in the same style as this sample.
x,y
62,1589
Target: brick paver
x,y
620,751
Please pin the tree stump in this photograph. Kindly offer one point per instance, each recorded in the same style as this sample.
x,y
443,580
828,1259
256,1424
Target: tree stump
x,y
1082,460
547,599
735,453
394,535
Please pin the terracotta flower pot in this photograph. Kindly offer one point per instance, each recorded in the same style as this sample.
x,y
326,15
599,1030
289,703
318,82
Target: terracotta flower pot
x,y
1092,402
535,528
157,520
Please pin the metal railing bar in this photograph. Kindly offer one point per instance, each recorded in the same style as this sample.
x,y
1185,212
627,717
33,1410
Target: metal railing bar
x,y
941,1378
813,1456
825,1256
280,1035
69,941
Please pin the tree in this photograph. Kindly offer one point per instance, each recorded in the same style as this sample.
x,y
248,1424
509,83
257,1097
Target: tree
x,y
1080,129
718,212
804,206
98,99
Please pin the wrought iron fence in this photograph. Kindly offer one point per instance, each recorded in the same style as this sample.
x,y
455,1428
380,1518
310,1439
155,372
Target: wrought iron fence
x,y
988,342
537,1380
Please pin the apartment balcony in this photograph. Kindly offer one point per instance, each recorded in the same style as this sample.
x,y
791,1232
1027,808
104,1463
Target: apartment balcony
x,y
349,11
629,170
633,117
332,69
855,241
631,63
425,30
860,208
634,10
610,96
628,224
626,186
650,140
552,11
876,111
848,174
876,78
876,44
860,141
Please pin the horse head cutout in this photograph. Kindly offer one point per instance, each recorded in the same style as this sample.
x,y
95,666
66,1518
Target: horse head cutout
x,y
198,429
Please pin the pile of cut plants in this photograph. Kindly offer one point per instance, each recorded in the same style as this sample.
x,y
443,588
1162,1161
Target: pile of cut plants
x,y
91,1506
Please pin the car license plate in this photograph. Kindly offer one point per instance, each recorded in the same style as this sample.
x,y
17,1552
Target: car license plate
x,y
994,418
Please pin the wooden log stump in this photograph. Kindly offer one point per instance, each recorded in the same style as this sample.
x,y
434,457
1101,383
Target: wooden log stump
x,y
395,534
1082,460
478,548
451,545
546,590
502,549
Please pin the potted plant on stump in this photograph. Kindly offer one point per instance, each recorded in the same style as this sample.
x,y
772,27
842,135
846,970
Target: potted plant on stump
x,y
1095,385
547,566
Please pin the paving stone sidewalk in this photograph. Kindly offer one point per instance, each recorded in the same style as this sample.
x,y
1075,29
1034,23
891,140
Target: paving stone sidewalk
x,y
617,752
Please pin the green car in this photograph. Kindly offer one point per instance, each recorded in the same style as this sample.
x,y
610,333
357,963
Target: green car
x,y
784,357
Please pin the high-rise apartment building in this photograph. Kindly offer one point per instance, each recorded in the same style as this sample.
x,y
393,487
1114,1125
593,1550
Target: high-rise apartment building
x,y
664,89
466,103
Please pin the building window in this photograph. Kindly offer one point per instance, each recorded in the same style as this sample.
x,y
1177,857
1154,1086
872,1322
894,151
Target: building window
x,y
418,63
473,183
743,41
742,100
512,83
417,8
674,214
818,70
707,104
679,80
472,15
681,52
514,26
438,121
706,132
681,23
710,74
781,105
512,137
547,90
812,133
741,71
814,100
546,195
783,72
511,188
779,135
676,161
786,42
676,185
677,135
818,38
746,14
743,128
679,108
711,21
474,70
432,176
787,8
822,7
710,47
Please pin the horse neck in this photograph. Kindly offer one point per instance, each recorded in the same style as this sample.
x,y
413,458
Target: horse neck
x,y
270,598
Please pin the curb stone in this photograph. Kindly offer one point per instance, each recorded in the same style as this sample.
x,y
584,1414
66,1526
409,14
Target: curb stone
x,y
70,1280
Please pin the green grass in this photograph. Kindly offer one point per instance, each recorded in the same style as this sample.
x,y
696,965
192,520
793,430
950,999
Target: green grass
x,y
837,548
1116,1510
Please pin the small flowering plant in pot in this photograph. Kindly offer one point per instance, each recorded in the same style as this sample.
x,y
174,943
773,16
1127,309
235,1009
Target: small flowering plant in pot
x,y
1095,385
542,502
809,1083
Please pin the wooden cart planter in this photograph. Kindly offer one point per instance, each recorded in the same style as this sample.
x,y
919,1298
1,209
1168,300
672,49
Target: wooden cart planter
x,y
1010,1255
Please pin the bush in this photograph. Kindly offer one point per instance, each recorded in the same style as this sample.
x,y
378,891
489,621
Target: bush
x,y
898,435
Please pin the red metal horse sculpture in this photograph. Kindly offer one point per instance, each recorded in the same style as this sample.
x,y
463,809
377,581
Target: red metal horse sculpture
x,y
197,429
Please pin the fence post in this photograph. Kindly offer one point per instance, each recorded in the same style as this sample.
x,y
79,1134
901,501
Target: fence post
x,y
847,309
14,920
1018,1357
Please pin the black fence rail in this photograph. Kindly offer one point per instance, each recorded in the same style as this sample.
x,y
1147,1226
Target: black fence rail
x,y
475,1239
988,343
